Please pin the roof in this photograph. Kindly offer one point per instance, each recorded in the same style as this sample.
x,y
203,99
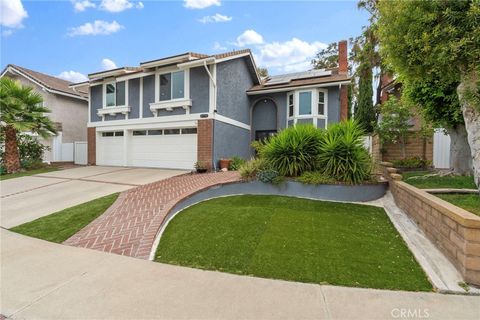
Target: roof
x,y
300,79
184,58
50,83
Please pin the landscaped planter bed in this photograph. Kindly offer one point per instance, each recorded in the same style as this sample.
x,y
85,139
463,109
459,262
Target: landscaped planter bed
x,y
333,192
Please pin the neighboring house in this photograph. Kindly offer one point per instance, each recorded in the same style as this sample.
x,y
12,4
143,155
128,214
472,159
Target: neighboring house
x,y
418,144
174,111
69,109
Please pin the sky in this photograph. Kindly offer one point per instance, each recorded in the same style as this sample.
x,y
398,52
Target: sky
x,y
73,38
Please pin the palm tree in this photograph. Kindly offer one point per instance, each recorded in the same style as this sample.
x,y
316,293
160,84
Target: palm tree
x,y
21,110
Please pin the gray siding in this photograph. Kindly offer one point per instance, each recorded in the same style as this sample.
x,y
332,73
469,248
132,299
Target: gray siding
x,y
134,98
230,141
199,90
96,102
148,95
233,80
333,105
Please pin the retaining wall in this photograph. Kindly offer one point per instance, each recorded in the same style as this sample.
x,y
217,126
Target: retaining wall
x,y
454,231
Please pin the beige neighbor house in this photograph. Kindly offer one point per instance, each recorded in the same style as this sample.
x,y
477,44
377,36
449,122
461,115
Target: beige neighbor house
x,y
69,111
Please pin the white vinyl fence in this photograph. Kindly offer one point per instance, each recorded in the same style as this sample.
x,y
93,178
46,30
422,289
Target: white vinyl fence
x,y
441,149
368,143
80,152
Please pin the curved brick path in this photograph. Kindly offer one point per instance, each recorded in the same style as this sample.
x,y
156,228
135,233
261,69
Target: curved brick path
x,y
130,225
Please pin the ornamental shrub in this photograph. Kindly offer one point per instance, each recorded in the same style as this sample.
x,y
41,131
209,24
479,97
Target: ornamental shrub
x,y
267,175
236,163
249,169
293,151
342,155
30,150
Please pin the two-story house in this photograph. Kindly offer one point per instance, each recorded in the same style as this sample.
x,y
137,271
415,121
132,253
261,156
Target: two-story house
x,y
177,110
68,108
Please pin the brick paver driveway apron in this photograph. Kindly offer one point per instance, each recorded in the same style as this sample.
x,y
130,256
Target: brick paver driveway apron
x,y
130,225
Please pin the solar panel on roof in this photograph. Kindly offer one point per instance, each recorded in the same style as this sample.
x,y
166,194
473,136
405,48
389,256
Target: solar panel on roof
x,y
286,78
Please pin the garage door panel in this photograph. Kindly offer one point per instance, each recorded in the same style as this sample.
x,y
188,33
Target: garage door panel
x,y
165,151
110,151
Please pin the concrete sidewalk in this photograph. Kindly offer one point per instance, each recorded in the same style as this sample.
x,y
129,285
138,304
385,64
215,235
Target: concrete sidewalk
x,y
49,281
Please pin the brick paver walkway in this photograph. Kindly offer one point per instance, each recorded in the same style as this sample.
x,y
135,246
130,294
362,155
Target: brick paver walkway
x,y
130,225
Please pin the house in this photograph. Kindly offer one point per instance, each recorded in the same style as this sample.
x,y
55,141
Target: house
x,y
418,144
69,109
177,110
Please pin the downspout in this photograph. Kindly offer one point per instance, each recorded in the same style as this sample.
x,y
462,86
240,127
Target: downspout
x,y
214,83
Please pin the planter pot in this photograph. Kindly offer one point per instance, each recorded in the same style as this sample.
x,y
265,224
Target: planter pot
x,y
224,163
202,170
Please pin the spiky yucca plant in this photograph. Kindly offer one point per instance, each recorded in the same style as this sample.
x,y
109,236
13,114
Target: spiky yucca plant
x,y
342,155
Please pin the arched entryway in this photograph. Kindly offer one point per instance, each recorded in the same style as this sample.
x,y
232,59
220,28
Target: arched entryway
x,y
264,118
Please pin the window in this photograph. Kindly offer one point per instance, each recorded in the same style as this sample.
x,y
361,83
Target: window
x,y
321,103
172,86
155,132
305,103
119,134
140,132
107,134
189,131
290,105
110,94
171,131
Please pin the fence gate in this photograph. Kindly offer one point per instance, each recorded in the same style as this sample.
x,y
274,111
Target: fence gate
x,y
80,152
441,149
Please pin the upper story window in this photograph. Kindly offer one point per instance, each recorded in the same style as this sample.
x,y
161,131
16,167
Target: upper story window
x,y
115,94
172,86
322,100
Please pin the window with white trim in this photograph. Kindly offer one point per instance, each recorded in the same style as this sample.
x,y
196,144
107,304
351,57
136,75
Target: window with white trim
x,y
172,85
307,106
110,93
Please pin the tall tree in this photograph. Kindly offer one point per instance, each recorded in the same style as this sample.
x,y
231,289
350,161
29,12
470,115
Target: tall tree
x,y
21,110
429,39
365,113
326,58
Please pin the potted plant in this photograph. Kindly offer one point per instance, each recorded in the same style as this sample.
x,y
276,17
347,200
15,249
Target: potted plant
x,y
224,163
201,166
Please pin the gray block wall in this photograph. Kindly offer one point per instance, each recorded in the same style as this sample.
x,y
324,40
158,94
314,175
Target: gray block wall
x,y
233,81
230,141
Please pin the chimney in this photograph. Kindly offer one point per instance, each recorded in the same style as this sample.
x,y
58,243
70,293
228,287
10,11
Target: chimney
x,y
342,57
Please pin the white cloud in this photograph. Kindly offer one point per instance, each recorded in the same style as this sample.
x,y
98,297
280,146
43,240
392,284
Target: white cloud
x,y
73,76
119,5
289,56
98,27
249,37
108,64
7,33
218,47
82,5
12,13
200,4
216,18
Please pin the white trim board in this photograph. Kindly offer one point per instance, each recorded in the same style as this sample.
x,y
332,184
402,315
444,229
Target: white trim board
x,y
322,85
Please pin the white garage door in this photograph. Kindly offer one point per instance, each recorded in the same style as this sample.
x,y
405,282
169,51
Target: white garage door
x,y
168,148
110,148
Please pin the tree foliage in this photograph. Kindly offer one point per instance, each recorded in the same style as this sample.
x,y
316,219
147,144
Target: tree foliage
x,y
262,72
326,58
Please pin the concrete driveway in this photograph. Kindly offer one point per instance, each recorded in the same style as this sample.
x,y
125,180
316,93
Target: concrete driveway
x,y
28,198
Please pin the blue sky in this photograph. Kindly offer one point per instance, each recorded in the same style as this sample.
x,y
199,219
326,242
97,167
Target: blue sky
x,y
74,38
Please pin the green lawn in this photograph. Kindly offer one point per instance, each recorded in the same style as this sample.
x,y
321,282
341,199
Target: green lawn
x,y
293,239
458,182
27,173
469,202
61,225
